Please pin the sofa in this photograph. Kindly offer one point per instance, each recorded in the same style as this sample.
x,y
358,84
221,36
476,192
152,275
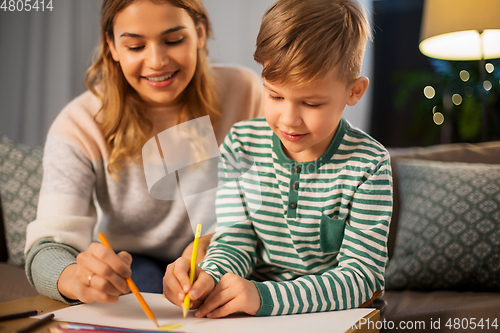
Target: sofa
x,y
20,179
409,299
444,240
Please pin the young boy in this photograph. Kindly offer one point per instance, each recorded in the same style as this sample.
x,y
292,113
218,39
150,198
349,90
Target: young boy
x,y
317,201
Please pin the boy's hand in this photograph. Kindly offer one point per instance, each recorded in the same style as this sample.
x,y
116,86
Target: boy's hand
x,y
176,283
232,294
202,249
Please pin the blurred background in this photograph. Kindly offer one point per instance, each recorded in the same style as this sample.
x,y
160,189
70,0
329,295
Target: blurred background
x,y
413,100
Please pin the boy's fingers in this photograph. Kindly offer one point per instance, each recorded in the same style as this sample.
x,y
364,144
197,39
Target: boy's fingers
x,y
181,272
216,299
202,286
172,288
230,307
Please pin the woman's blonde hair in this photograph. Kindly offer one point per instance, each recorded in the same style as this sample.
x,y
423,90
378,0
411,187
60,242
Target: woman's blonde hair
x,y
124,123
300,41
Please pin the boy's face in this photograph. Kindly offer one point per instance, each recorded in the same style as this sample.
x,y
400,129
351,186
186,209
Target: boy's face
x,y
306,118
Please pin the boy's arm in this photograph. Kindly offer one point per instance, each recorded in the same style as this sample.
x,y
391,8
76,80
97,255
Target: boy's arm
x,y
362,258
232,247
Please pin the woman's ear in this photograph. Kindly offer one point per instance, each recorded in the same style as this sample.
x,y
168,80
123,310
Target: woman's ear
x,y
112,49
358,89
201,30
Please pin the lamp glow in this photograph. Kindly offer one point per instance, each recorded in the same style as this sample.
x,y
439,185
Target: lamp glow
x,y
461,29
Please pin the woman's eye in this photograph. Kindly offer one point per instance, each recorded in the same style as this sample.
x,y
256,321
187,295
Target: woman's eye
x,y
174,42
136,48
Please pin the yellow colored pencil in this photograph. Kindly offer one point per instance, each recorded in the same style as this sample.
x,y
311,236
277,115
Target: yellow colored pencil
x,y
133,288
197,236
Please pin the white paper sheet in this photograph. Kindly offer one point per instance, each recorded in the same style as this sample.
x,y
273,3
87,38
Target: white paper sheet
x,y
127,313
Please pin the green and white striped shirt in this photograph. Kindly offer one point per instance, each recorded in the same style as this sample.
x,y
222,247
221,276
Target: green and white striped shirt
x,y
315,233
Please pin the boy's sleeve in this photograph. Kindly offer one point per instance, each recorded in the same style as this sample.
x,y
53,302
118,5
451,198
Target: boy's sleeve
x,y
362,258
232,247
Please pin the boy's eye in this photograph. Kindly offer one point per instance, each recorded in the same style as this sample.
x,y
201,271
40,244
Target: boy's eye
x,y
275,97
312,105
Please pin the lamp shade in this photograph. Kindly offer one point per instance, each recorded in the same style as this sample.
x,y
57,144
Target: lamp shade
x,y
461,29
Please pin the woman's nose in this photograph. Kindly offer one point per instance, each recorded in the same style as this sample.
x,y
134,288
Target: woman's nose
x,y
157,57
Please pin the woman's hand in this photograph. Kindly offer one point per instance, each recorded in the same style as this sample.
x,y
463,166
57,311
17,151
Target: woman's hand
x,y
232,294
98,276
176,283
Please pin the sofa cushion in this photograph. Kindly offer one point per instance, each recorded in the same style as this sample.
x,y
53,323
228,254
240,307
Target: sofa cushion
x,y
484,152
449,227
20,180
3,242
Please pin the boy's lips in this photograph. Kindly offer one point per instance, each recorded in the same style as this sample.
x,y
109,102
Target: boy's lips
x,y
292,136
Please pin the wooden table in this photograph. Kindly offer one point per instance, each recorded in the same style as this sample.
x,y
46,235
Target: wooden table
x,y
48,305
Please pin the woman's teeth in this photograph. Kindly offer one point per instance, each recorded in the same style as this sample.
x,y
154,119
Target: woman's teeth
x,y
160,78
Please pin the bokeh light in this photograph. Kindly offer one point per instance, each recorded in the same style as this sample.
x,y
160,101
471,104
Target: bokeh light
x,y
487,85
457,99
438,118
489,67
429,92
464,75
469,92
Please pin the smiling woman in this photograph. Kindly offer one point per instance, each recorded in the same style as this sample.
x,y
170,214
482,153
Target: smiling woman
x,y
156,46
152,73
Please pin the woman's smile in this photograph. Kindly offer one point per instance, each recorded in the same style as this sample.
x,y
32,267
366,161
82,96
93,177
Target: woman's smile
x,y
160,80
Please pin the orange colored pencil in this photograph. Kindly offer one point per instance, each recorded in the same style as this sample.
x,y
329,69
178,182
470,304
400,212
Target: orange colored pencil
x,y
133,287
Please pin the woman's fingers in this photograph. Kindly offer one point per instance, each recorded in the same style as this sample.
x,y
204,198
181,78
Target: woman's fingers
x,y
109,267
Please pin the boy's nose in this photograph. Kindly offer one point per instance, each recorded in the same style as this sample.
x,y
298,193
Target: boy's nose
x,y
290,116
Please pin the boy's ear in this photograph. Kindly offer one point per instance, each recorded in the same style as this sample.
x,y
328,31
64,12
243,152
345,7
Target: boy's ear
x,y
357,90
112,49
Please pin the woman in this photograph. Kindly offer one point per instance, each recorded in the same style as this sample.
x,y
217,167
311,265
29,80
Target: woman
x,y
152,73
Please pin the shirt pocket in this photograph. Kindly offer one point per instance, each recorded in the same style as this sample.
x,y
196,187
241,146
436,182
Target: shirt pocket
x,y
331,234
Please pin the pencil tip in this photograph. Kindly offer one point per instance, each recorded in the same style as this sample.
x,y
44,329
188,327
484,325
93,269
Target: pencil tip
x,y
185,312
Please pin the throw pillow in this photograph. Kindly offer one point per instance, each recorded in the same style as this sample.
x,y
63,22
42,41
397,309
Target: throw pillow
x,y
20,180
449,227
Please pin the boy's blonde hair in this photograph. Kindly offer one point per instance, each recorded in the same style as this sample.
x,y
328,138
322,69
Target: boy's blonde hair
x,y
301,40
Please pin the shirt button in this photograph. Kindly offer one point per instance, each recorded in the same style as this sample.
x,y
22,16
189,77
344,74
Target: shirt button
x,y
295,186
297,169
293,205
